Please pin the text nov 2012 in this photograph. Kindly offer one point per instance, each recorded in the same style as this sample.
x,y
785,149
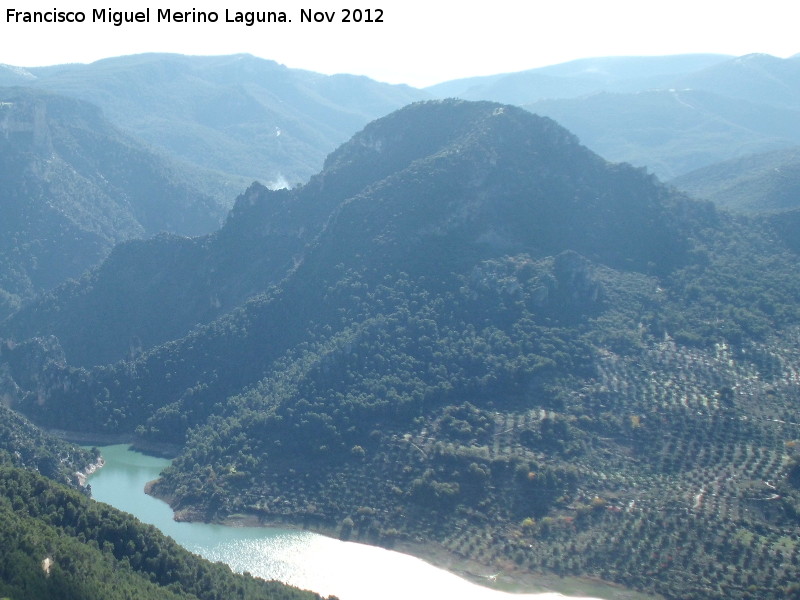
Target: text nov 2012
x,y
347,15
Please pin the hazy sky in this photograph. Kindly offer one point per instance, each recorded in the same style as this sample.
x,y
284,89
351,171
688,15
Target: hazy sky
x,y
420,42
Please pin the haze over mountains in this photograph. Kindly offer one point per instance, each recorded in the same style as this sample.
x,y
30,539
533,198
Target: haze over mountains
x,y
755,183
236,114
670,114
251,119
256,119
584,77
210,126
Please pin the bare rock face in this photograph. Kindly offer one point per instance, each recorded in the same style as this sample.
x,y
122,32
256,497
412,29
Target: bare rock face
x,y
576,283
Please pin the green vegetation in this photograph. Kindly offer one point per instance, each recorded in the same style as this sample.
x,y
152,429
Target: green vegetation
x,y
55,543
645,467
487,339
24,445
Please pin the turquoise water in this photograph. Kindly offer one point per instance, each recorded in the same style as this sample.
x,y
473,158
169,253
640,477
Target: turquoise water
x,y
307,560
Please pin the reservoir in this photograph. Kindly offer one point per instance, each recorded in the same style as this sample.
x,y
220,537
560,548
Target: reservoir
x,y
348,570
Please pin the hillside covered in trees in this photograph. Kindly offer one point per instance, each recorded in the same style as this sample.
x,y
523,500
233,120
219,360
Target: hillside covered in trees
x,y
466,331
72,185
752,184
57,544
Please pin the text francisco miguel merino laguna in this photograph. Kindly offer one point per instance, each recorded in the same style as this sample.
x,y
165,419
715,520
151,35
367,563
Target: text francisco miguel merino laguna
x,y
162,15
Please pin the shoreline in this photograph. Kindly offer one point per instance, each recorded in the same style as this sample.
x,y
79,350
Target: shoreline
x,y
83,475
502,578
509,579
159,449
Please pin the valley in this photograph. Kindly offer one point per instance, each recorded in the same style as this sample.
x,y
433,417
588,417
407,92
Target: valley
x,y
466,336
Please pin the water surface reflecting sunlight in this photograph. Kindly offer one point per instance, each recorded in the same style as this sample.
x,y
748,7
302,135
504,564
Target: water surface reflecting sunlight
x,y
325,565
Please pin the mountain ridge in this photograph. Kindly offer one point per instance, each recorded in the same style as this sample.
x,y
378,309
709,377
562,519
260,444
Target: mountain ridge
x,y
280,226
577,78
238,114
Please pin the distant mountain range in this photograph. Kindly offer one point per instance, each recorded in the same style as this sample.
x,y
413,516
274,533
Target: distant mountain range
x,y
671,114
467,331
251,118
237,114
672,132
256,119
583,77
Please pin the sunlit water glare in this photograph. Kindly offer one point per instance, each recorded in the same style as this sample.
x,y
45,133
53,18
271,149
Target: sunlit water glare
x,y
307,560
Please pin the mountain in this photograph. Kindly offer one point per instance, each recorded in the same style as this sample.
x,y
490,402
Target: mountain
x,y
137,299
672,114
757,78
489,343
615,74
672,132
236,114
755,183
72,185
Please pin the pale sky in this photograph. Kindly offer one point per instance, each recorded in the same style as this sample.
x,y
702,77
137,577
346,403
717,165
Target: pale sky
x,y
420,42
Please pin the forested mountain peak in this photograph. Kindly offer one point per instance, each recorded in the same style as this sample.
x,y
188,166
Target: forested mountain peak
x,y
461,181
476,179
